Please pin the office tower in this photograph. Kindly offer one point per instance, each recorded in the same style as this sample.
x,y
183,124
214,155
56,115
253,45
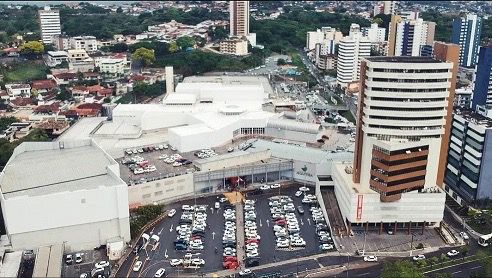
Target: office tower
x,y
468,175
407,36
482,84
350,51
239,18
402,120
426,50
466,34
49,21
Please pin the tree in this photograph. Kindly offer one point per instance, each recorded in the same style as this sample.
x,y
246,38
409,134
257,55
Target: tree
x,y
173,47
64,94
464,250
443,275
377,20
5,122
32,47
119,10
404,269
185,42
119,47
145,55
281,62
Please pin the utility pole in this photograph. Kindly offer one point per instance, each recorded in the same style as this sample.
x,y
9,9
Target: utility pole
x,y
364,246
411,245
348,261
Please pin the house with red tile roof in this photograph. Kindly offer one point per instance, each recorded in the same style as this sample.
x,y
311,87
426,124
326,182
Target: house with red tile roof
x,y
43,86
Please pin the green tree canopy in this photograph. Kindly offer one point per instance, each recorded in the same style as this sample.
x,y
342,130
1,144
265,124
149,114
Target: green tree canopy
x,y
173,47
32,47
185,42
401,269
144,54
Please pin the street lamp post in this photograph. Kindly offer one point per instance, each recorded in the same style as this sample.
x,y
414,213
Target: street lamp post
x,y
348,261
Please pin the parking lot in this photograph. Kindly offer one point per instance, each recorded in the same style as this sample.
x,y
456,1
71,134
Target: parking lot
x,y
154,258
89,258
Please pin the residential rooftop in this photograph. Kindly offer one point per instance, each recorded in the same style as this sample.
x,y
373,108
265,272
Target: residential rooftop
x,y
402,59
474,117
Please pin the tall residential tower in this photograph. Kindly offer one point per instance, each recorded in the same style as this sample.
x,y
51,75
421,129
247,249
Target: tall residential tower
x,y
239,18
49,21
466,34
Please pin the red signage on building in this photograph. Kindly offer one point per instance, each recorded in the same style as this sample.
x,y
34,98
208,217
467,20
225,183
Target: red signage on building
x,y
359,207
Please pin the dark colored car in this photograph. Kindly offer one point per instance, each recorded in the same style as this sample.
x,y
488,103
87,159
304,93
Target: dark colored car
x,y
181,247
300,209
253,262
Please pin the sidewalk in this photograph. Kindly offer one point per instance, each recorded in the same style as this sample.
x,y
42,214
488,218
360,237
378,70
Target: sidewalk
x,y
275,264
459,219
240,234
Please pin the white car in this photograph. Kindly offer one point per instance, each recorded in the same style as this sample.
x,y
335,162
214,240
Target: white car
x,y
171,213
245,272
198,261
265,187
453,253
138,171
274,186
217,205
253,253
418,258
298,193
187,207
222,199
160,272
282,244
137,266
326,247
370,259
102,264
303,188
464,236
176,262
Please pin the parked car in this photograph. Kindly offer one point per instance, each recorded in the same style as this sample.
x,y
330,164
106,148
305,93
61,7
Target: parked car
x,y
78,258
176,262
464,236
69,259
102,264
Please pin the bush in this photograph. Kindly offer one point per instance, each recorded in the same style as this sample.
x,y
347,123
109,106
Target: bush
x,y
143,215
420,246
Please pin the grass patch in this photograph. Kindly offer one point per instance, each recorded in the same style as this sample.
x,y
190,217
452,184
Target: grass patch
x,y
348,116
24,72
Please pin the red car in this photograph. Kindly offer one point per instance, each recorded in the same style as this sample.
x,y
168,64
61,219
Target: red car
x,y
281,222
252,240
230,259
230,265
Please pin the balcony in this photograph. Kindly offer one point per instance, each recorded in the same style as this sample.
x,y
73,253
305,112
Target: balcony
x,y
408,175
396,157
382,187
402,166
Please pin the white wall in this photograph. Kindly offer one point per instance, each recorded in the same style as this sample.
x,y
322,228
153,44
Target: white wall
x,y
160,190
413,206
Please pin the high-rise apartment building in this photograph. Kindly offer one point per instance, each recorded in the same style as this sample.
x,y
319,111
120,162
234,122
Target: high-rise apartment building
x,y
385,7
482,83
466,34
374,33
468,176
350,51
407,36
326,36
402,120
49,22
239,18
